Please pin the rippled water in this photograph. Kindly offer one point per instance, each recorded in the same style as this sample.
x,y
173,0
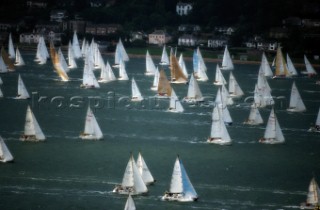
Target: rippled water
x,y
67,173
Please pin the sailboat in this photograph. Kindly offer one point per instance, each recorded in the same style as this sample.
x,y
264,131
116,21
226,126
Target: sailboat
x,y
144,170
71,57
57,64
254,117
291,67
76,46
1,94
132,182
120,54
22,90
235,90
175,105
122,71
42,52
281,70
219,133
19,60
177,75
8,62
310,71
312,201
201,60
194,92
12,54
164,87
63,61
89,79
265,66
227,63
273,133
150,67
130,205
199,67
32,130
1,82
181,188
92,129
316,127
106,74
223,97
183,66
164,57
219,78
3,66
155,80
136,94
5,154
296,104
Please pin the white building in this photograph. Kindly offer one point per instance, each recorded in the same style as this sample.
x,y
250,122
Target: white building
x,y
30,38
183,8
187,40
159,37
216,42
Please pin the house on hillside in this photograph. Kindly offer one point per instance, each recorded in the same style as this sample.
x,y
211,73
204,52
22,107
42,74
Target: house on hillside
x,y
217,41
159,37
183,8
187,40
102,29
189,28
58,15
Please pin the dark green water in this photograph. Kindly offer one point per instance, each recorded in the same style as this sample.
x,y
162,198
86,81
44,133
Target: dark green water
x,y
67,173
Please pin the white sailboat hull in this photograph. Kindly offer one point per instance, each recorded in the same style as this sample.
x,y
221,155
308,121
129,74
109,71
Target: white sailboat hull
x,y
89,137
127,190
192,100
270,141
218,141
294,109
180,197
314,129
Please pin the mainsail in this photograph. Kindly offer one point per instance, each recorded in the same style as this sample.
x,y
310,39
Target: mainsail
x,y
150,67
227,63
175,105
296,104
19,60
281,65
164,87
164,57
177,75
273,133
144,170
194,93
136,94
130,204
32,130
5,154
22,90
92,129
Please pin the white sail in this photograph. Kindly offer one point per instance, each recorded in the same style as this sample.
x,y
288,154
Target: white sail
x,y
312,201
19,60
107,74
92,129
12,54
71,57
226,99
135,92
122,71
194,92
22,90
291,67
63,62
3,66
144,170
309,68
225,114
76,46
273,133
181,189
83,47
219,78
254,117
281,65
132,181
155,80
175,105
183,65
201,60
296,104
130,205
1,82
89,79
200,73
42,53
5,154
164,57
316,127
227,63
120,54
235,90
1,94
32,130
265,66
150,67
219,133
